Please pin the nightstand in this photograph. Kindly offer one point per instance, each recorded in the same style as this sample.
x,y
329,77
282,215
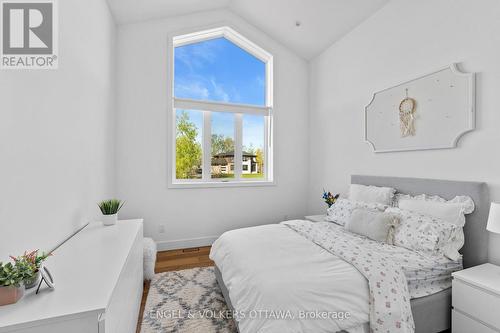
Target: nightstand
x,y
316,218
476,300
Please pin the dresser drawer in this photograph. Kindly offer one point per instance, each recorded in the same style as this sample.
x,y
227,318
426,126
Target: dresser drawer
x,y
477,303
462,324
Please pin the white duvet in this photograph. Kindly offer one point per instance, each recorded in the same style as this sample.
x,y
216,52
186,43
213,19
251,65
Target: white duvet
x,y
281,281
271,268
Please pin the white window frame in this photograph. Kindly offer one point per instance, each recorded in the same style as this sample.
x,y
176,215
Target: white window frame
x,y
207,107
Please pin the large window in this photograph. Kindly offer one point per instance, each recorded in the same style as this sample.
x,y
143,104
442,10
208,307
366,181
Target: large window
x,y
222,110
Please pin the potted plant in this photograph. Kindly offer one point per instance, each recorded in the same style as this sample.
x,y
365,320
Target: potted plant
x,y
11,282
34,261
109,209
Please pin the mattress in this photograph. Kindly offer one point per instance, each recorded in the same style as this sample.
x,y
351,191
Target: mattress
x,y
430,279
272,267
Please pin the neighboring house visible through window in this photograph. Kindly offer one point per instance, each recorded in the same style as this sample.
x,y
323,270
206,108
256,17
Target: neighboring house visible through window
x,y
223,163
222,110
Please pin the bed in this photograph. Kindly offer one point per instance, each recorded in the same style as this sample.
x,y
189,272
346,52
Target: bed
x,y
430,313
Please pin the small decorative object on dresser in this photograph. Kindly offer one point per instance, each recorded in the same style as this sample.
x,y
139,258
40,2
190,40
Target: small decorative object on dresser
x,y
34,261
20,274
476,300
46,278
11,284
109,209
494,218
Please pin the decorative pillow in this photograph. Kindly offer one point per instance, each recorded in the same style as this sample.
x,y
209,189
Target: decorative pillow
x,y
422,233
452,211
376,225
342,209
371,194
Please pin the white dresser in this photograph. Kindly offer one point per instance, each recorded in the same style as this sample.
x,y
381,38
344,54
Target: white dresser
x,y
99,278
476,300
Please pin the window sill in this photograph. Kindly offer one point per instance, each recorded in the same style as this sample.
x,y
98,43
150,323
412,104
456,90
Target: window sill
x,y
182,185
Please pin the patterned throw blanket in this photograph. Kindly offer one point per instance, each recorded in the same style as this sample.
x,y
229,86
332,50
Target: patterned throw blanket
x,y
389,301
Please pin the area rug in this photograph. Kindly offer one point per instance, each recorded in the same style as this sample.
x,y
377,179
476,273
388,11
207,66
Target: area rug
x,y
187,301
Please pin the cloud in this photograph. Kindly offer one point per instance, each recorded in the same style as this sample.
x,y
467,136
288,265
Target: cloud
x,y
192,89
197,55
219,92
201,89
205,51
195,80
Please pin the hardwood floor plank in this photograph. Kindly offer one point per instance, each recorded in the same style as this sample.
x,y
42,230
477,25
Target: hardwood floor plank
x,y
182,262
192,252
175,260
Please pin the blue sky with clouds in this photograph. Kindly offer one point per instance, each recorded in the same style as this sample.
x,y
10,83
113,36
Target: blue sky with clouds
x,y
218,70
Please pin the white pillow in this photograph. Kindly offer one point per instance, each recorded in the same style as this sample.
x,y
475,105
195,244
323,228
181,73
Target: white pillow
x,y
342,209
452,211
423,233
372,194
373,224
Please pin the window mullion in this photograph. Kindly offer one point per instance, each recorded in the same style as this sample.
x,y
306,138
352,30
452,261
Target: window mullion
x,y
238,145
267,153
207,145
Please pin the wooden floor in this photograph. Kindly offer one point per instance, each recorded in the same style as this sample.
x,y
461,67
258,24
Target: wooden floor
x,y
176,260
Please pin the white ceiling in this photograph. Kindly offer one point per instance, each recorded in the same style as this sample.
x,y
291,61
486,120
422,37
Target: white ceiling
x,y
126,11
323,22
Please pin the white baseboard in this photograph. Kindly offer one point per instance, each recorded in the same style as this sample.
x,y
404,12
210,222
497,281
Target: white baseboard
x,y
185,243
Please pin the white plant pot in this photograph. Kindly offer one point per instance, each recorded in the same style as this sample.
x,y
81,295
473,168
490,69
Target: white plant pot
x,y
109,219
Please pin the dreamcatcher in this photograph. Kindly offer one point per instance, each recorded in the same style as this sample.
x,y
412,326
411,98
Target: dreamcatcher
x,y
407,116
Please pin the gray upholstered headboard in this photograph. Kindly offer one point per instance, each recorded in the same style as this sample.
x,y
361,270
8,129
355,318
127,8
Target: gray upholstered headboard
x,y
475,250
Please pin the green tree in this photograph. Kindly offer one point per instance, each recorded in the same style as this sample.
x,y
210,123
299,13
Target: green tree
x,y
221,144
188,150
260,159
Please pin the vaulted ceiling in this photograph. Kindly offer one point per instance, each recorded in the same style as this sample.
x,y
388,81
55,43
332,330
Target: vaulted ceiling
x,y
320,22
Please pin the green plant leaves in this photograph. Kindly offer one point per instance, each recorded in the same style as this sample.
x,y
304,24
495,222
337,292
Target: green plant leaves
x,y
111,206
22,269
14,275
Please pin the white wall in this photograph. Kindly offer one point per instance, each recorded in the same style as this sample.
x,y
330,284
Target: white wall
x,y
401,41
56,134
143,126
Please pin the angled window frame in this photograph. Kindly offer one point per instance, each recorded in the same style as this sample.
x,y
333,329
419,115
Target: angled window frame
x,y
207,107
